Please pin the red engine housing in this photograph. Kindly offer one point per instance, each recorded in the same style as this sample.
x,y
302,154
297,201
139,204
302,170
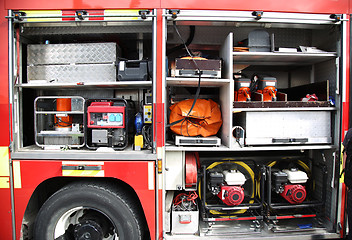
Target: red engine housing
x,y
294,194
231,195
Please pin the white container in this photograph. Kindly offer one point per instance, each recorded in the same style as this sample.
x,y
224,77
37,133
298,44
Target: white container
x,y
234,178
184,222
296,176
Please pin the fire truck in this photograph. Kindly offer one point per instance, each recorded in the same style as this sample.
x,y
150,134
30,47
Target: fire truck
x,y
173,120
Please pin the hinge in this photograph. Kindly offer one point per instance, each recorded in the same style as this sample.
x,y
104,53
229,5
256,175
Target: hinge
x,y
81,14
336,17
174,13
257,14
19,15
144,13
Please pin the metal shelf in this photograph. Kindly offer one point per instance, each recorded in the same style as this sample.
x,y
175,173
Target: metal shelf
x,y
235,110
281,58
59,112
250,148
205,82
122,84
35,152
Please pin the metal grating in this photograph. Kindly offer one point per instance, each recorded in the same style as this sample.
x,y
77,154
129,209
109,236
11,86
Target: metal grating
x,y
73,73
40,54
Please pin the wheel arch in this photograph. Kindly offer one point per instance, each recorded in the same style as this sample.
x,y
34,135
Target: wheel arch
x,y
48,187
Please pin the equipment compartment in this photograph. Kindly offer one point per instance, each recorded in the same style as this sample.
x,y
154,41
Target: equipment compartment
x,y
291,114
61,60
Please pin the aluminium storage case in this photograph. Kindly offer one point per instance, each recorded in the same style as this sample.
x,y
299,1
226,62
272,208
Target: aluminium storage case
x,y
72,63
286,127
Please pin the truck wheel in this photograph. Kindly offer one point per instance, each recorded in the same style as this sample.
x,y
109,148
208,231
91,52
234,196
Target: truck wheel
x,y
84,211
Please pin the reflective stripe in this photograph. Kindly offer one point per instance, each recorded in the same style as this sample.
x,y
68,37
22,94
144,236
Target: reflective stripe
x,y
17,174
39,14
83,172
121,12
4,161
151,175
4,182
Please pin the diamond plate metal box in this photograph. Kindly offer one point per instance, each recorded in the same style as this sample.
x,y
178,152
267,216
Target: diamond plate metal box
x,y
67,63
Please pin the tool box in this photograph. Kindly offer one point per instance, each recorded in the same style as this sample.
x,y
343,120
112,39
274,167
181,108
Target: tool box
x,y
72,63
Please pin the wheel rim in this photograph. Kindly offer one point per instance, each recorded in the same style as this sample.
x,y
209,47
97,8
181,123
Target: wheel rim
x,y
85,223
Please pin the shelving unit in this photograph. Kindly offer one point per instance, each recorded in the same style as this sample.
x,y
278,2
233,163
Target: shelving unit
x,y
205,82
281,58
126,84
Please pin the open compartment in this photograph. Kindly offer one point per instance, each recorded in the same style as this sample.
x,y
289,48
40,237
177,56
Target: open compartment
x,y
213,60
292,89
89,60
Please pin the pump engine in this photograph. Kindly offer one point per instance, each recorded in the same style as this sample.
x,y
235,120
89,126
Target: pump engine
x,y
289,184
242,89
227,185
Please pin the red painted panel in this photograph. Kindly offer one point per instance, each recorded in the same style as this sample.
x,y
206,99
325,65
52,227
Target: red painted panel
x,y
313,6
5,201
345,125
134,173
5,213
80,4
4,96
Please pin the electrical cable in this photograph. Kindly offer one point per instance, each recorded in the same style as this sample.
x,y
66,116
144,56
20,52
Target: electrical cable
x,y
187,43
199,79
185,202
147,135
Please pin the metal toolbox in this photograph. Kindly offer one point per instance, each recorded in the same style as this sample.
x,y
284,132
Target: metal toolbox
x,y
209,68
184,222
285,127
72,63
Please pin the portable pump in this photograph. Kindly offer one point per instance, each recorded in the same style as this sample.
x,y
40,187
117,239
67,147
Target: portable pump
x,y
266,86
227,185
242,90
288,183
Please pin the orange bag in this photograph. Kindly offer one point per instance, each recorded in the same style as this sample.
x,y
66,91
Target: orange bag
x,y
204,119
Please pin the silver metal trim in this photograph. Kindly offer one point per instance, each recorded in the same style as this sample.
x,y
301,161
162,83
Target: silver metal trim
x,y
154,126
10,68
75,16
246,16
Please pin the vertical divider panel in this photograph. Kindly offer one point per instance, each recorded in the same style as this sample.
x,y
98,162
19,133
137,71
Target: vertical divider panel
x,y
226,90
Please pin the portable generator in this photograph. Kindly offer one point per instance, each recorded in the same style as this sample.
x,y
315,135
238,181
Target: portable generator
x,y
106,123
242,90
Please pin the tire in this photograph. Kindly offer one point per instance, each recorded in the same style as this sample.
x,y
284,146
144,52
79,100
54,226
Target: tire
x,y
89,211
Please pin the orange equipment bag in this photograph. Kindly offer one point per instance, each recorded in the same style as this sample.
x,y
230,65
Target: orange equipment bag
x,y
204,119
